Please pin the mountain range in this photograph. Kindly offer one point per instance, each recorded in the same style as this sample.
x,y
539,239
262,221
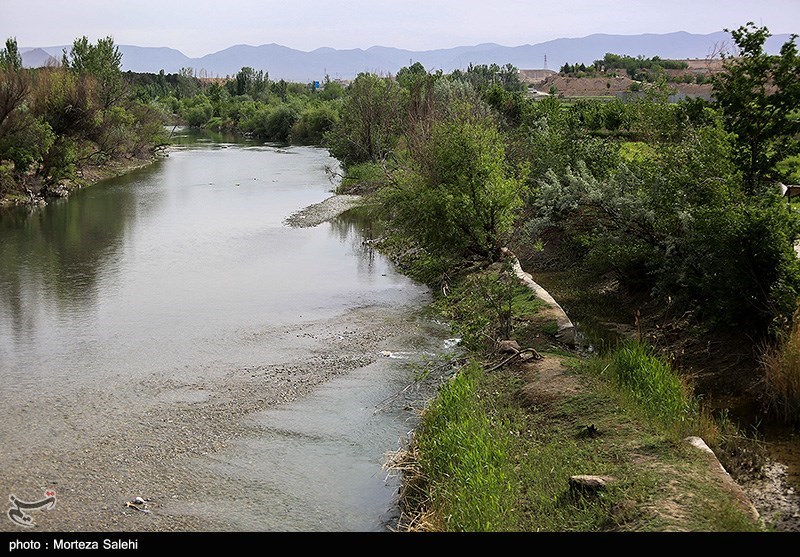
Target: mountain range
x,y
295,65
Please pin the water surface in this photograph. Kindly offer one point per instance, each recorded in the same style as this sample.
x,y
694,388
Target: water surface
x,y
138,313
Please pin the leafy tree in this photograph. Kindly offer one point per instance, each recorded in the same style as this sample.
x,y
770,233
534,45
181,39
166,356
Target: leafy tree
x,y
408,75
249,82
759,95
460,198
103,61
278,125
331,90
369,125
10,58
313,123
484,77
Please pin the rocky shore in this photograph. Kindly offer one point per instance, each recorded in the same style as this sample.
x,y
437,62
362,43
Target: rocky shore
x,y
318,213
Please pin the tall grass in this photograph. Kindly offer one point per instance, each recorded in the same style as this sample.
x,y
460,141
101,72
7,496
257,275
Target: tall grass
x,y
782,374
468,467
652,384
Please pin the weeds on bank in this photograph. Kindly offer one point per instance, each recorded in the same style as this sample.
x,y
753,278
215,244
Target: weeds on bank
x,y
782,374
488,306
482,461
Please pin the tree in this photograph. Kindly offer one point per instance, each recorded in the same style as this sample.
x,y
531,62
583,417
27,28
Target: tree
x,y
370,121
409,75
759,95
460,199
10,58
102,61
14,82
249,82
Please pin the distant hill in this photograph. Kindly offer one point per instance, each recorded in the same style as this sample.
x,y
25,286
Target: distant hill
x,y
37,58
295,65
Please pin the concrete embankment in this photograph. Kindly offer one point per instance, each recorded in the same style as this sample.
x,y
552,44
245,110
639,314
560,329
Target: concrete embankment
x,y
566,329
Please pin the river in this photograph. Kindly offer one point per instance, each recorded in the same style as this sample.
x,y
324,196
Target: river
x,y
166,335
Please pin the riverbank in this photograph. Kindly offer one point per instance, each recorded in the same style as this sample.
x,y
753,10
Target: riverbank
x,y
762,457
37,195
529,422
96,471
181,362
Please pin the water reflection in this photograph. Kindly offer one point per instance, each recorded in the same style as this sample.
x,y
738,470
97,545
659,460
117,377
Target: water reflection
x,y
53,256
355,228
162,307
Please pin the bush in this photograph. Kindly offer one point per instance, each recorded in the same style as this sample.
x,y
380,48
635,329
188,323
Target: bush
x,y
313,124
278,125
363,178
650,382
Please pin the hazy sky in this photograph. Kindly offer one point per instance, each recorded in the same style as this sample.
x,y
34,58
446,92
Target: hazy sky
x,y
198,27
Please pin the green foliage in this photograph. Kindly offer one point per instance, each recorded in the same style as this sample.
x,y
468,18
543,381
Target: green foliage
x,y
361,178
312,125
759,95
369,126
482,77
461,198
737,262
481,307
53,120
467,461
278,124
28,144
101,61
60,160
331,90
409,75
10,58
247,81
674,221
639,68
197,110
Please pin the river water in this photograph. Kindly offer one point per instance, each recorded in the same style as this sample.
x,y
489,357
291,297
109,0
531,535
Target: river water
x,y
165,335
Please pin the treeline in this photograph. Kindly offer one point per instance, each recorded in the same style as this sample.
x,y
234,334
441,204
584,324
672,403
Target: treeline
x,y
678,201
638,68
55,120
250,103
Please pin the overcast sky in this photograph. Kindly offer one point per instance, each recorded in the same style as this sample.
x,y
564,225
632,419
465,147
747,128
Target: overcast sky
x,y
199,27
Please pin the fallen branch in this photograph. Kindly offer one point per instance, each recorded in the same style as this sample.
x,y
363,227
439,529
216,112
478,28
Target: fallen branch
x,y
536,356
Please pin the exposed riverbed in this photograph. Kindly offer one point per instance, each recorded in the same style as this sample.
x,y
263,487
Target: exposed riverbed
x,y
167,335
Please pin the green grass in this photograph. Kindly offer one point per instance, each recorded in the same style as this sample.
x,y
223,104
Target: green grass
x,y
360,178
550,327
650,382
470,466
487,458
